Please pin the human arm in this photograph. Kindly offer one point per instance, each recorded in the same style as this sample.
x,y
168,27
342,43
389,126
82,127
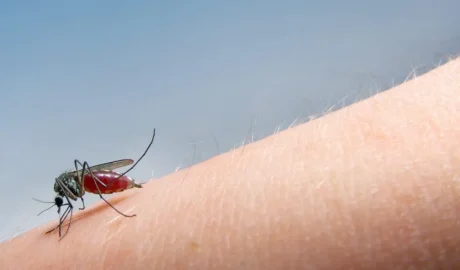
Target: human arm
x,y
373,184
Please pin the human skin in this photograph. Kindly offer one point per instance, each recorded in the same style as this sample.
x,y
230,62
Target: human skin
x,y
374,185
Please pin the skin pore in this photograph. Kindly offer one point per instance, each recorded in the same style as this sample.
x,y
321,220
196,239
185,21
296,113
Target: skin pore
x,y
374,185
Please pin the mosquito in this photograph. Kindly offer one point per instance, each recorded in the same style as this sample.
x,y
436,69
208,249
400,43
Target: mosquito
x,y
98,179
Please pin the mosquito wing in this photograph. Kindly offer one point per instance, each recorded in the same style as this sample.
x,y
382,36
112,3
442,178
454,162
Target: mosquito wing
x,y
112,165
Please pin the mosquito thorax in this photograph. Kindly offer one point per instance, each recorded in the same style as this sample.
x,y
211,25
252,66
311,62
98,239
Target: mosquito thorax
x,y
70,183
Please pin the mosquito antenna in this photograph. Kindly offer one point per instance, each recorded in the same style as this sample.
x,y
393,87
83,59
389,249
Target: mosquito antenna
x,y
145,152
42,201
46,209
54,203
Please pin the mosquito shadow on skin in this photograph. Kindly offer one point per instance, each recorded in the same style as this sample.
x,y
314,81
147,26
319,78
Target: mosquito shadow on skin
x,y
89,211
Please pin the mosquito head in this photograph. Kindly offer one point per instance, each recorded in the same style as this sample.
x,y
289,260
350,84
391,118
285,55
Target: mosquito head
x,y
58,201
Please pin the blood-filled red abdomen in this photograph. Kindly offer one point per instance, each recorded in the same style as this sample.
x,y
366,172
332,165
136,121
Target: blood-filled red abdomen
x,y
109,178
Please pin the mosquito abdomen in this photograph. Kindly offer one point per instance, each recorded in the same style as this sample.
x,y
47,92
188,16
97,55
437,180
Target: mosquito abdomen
x,y
112,181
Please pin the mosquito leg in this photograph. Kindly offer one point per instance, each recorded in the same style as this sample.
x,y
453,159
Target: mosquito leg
x,y
81,181
83,202
113,207
62,218
86,166
61,221
145,152
70,222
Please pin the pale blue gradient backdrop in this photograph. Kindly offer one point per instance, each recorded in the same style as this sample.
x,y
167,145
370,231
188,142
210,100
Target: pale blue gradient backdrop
x,y
91,79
